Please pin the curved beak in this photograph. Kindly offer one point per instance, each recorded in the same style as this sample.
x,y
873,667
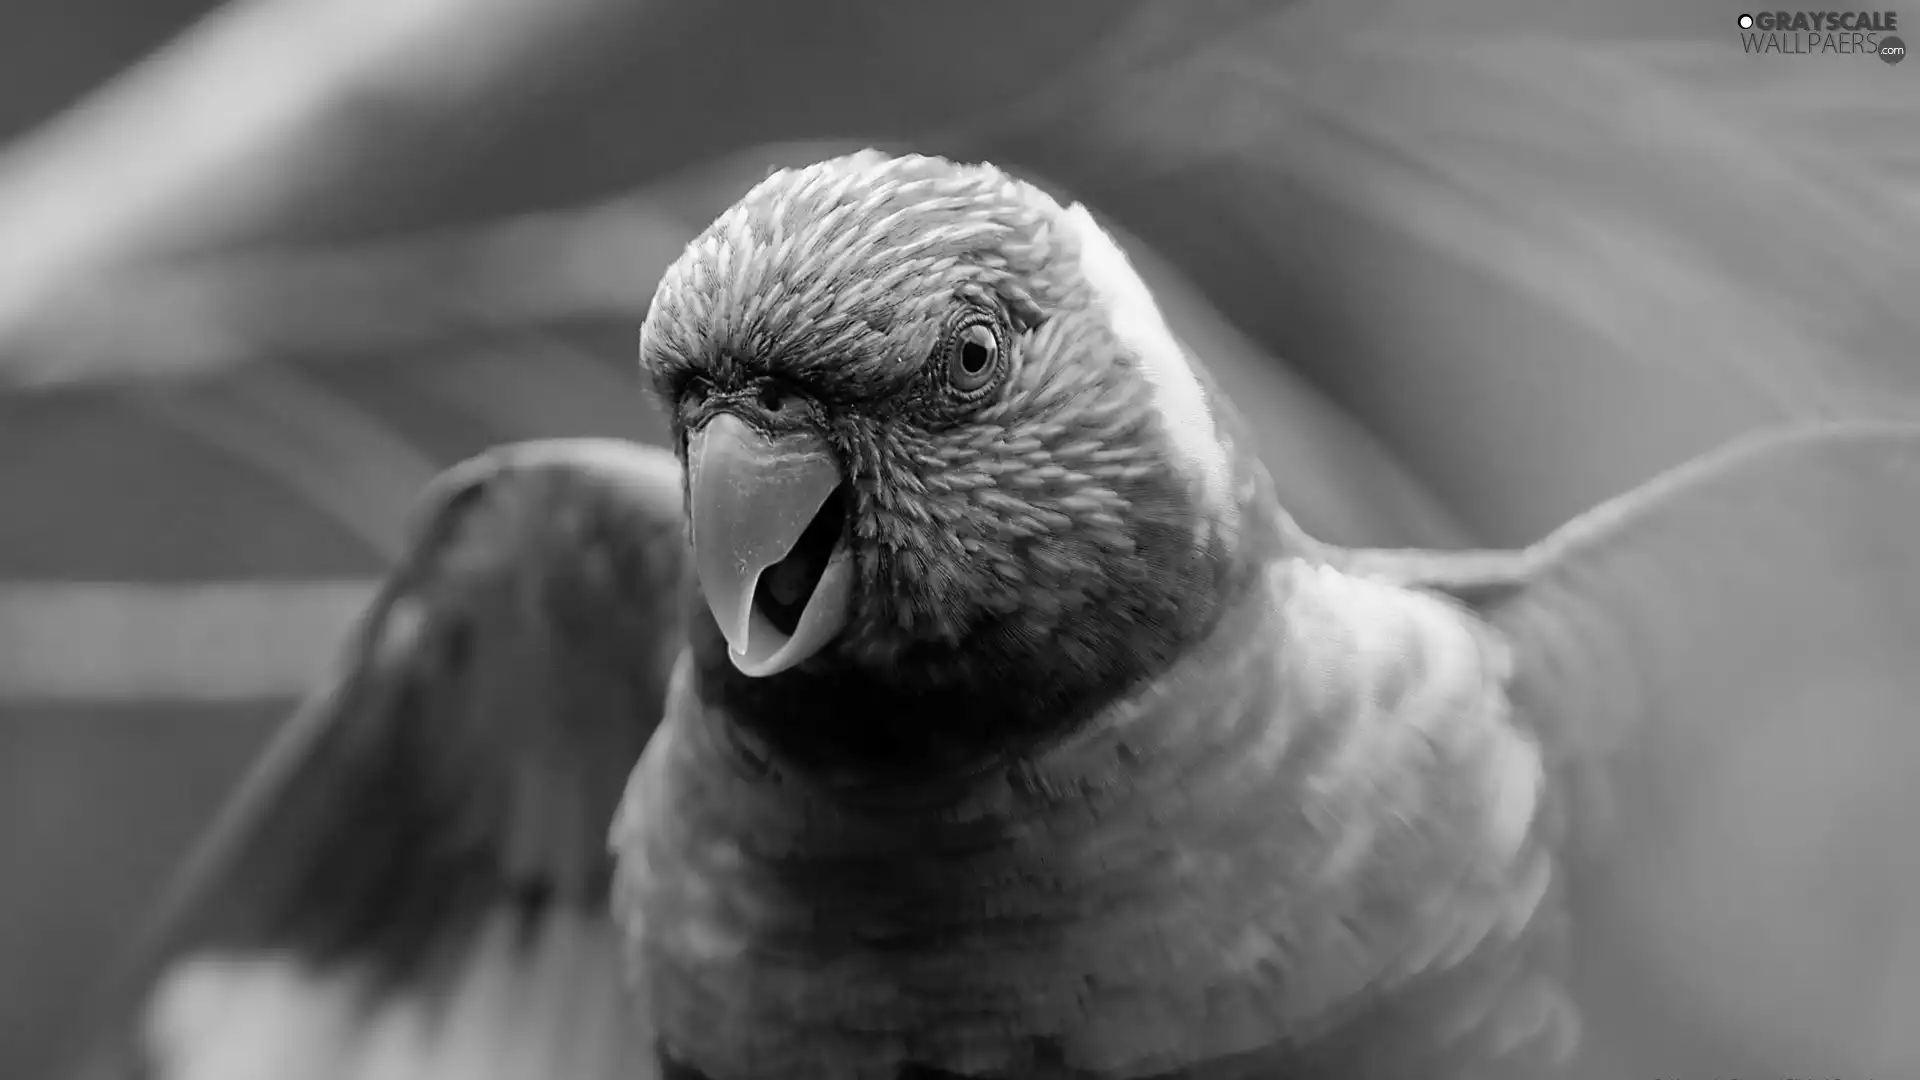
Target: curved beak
x,y
772,566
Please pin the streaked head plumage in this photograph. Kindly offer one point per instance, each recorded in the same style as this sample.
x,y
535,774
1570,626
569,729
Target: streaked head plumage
x,y
853,263
1022,438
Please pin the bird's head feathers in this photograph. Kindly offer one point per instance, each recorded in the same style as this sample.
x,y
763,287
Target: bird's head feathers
x,y
971,382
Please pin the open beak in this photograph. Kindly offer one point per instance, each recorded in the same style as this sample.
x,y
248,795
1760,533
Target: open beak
x,y
768,519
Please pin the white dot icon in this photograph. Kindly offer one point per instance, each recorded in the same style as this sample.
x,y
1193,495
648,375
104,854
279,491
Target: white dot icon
x,y
1746,22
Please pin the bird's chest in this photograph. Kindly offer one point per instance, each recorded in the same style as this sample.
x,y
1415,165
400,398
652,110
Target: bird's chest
x,y
760,950
1151,929
745,973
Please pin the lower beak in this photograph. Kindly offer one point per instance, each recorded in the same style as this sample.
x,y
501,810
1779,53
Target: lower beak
x,y
762,547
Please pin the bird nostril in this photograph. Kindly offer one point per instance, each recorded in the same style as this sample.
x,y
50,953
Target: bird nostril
x,y
771,399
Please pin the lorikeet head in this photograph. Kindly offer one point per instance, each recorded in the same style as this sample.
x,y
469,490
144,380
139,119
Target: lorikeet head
x,y
935,428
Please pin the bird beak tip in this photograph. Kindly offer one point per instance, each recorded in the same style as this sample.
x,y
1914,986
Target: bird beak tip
x,y
752,499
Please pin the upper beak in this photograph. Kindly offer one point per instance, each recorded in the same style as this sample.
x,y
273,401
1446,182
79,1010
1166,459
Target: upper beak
x,y
750,498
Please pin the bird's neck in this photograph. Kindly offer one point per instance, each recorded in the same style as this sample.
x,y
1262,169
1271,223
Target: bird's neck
x,y
972,816
1012,687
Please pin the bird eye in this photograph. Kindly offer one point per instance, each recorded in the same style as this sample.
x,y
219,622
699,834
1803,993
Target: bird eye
x,y
972,354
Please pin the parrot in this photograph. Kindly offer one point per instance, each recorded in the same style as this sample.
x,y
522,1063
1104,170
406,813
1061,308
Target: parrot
x,y
955,699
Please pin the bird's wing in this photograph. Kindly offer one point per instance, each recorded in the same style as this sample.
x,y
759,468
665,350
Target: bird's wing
x,y
1725,666
413,882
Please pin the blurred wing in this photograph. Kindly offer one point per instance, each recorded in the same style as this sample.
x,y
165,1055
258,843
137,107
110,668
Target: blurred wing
x,y
413,882
1728,663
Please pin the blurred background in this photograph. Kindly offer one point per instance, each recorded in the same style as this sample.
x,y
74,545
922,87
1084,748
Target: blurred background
x,y
266,267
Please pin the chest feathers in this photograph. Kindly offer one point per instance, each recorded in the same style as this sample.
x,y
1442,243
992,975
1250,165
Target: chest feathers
x,y
1318,813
